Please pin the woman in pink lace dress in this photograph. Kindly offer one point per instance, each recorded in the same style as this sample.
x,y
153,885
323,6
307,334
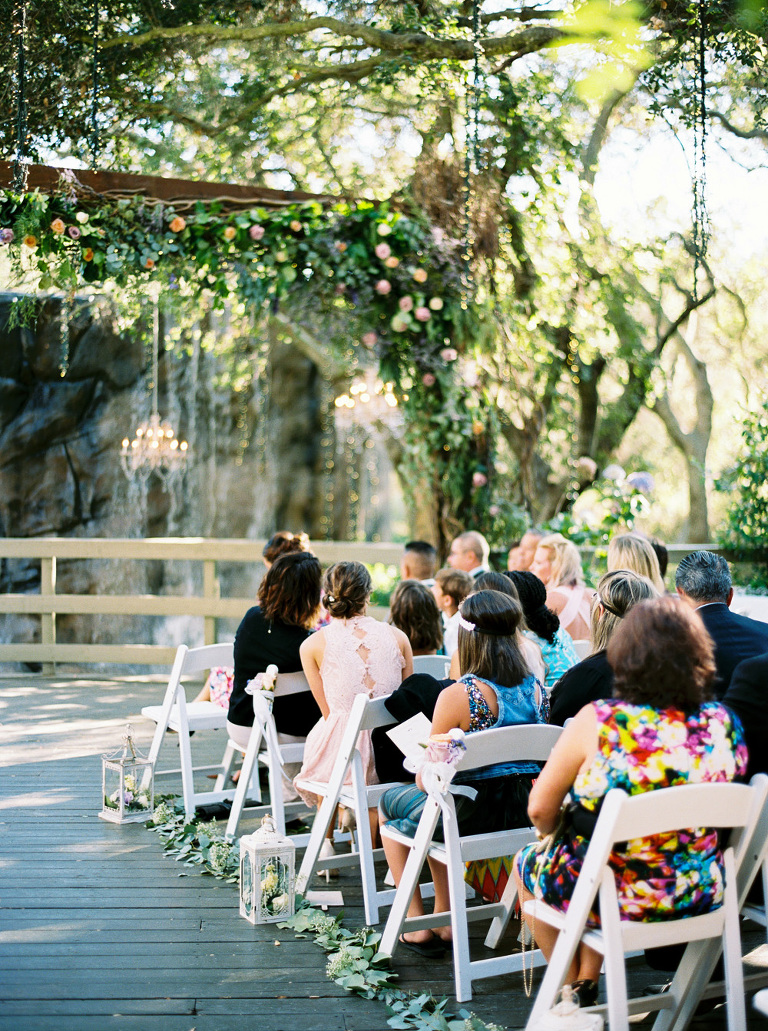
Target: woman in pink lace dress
x,y
354,654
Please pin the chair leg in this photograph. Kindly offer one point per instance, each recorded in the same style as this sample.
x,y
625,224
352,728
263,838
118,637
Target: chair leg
x,y
364,843
226,766
246,773
734,973
320,827
615,968
499,924
458,901
187,775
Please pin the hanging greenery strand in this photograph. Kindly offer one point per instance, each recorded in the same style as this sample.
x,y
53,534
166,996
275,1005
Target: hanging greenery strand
x,y
471,146
19,164
701,227
94,141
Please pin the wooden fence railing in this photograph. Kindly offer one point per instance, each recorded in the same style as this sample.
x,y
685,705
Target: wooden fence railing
x,y
209,606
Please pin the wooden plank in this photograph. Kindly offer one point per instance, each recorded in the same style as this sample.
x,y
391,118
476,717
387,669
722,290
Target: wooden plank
x,y
125,605
47,179
130,654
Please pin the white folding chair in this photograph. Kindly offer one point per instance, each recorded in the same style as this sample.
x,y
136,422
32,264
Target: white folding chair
x,y
437,666
583,648
529,742
176,713
264,747
722,806
692,981
366,714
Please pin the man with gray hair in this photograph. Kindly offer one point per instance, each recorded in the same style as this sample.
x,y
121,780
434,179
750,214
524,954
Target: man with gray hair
x,y
703,580
469,552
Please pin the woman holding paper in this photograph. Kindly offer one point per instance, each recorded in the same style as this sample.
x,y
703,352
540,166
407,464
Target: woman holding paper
x,y
496,690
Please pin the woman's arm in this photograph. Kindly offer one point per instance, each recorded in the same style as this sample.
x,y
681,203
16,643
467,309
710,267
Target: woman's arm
x,y
311,652
575,749
404,645
451,710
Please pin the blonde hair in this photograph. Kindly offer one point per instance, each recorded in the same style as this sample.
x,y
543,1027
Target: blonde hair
x,y
617,593
631,551
565,561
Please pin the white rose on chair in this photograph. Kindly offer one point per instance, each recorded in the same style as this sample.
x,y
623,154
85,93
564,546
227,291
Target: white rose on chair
x,y
263,682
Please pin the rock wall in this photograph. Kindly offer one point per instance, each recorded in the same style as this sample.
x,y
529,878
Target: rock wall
x,y
60,470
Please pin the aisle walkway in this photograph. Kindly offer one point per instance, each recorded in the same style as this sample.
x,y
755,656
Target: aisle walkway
x,y
100,930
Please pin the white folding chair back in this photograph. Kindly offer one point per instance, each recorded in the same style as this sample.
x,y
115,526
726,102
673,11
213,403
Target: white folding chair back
x,y
530,742
176,713
622,818
366,714
693,978
264,747
583,648
437,666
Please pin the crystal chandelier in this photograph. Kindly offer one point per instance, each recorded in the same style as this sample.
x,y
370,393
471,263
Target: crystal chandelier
x,y
154,447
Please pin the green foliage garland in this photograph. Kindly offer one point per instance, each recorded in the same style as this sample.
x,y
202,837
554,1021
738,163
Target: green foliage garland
x,y
397,281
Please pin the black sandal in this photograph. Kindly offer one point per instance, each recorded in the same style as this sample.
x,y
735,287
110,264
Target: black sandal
x,y
432,948
585,992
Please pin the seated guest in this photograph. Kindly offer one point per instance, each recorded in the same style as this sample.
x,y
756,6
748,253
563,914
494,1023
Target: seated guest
x,y
470,552
417,693
747,696
557,564
450,588
592,678
631,551
661,554
419,562
496,691
492,581
521,555
658,730
413,610
704,581
284,543
544,628
355,654
272,632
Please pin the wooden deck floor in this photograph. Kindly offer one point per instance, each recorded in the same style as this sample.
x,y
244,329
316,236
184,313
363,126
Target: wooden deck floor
x,y
100,930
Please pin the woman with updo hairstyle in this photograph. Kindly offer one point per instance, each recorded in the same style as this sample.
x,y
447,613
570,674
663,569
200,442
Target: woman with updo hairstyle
x,y
413,609
496,690
284,543
543,627
354,654
592,678
658,730
631,551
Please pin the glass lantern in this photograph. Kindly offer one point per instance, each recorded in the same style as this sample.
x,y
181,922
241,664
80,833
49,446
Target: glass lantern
x,y
127,784
267,875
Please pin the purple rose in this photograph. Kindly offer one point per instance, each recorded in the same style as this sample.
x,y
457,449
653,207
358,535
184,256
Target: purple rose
x,y
73,232
6,235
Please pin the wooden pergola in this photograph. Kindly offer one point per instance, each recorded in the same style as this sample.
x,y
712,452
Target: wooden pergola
x,y
181,193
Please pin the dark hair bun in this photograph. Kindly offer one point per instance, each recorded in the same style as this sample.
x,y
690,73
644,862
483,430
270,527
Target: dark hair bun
x,y
347,587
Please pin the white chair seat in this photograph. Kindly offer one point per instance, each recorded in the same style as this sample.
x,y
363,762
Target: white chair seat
x,y
200,716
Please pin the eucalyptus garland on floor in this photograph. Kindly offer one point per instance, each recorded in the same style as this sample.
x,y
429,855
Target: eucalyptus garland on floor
x,y
352,955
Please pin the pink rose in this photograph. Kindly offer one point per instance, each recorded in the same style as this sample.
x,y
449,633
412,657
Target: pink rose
x,y
423,314
479,479
256,232
449,354
383,250
369,339
494,510
296,225
420,275
405,303
383,287
6,235
74,232
428,379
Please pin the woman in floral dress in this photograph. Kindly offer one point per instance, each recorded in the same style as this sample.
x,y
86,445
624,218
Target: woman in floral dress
x,y
656,732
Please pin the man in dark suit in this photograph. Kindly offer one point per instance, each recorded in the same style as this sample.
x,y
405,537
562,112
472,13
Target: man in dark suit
x,y
704,581
747,696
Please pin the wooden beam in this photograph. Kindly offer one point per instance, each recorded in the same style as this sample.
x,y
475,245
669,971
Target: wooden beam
x,y
49,180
